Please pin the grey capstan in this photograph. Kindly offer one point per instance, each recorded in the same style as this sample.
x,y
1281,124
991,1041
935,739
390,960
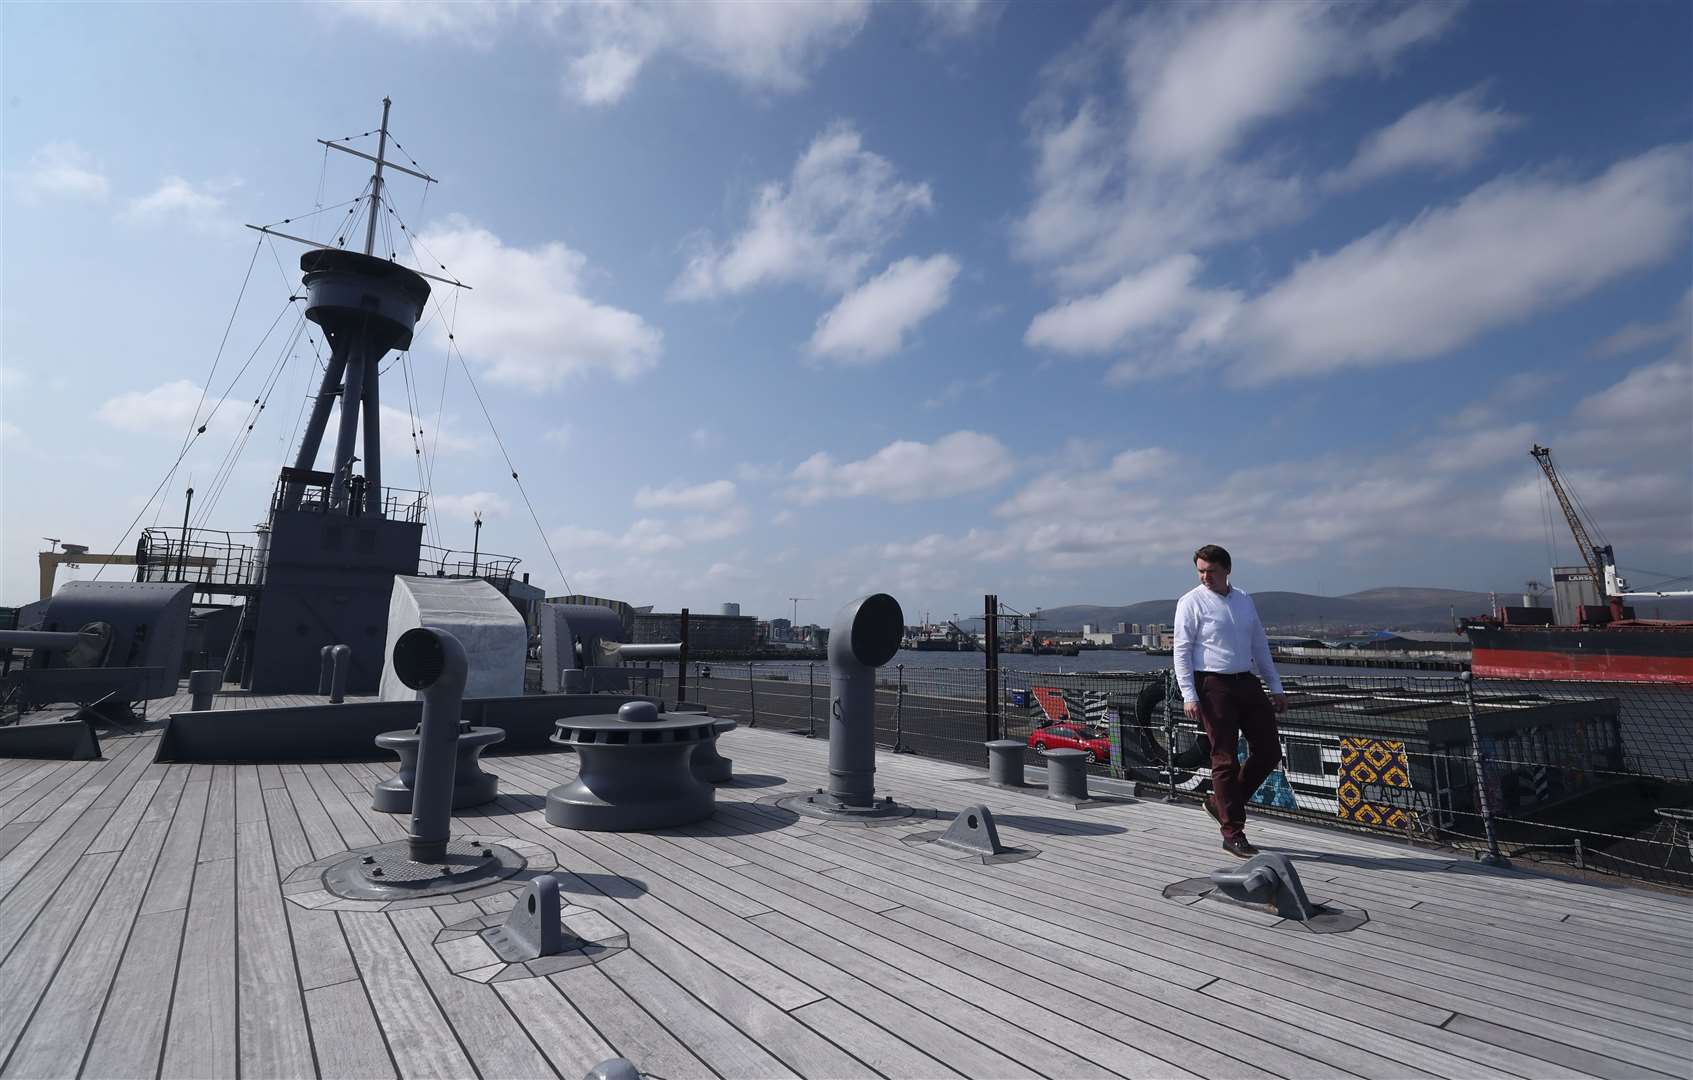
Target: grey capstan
x,y
973,831
614,1069
1268,879
532,929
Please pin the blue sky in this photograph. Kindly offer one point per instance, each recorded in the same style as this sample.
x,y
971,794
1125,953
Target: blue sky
x,y
776,300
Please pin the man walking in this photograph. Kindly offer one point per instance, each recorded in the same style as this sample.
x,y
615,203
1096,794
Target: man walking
x,y
1219,641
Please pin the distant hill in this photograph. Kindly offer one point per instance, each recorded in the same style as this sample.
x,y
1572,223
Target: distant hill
x,y
1396,608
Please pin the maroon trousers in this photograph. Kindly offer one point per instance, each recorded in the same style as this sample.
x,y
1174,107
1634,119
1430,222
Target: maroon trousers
x,y
1233,706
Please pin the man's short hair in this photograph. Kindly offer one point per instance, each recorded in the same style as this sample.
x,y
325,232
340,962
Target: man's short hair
x,y
1215,555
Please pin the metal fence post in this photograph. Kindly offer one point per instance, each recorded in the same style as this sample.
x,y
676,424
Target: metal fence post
x,y
1170,736
811,701
1492,858
752,698
899,713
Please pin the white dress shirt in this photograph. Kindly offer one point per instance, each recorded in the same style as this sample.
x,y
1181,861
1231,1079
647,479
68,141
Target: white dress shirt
x,y
1222,634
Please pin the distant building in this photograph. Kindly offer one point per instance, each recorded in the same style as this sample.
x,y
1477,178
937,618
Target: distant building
x,y
730,610
1107,640
1418,641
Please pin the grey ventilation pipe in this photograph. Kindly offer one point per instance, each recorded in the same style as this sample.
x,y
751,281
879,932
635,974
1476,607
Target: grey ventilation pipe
x,y
433,661
865,636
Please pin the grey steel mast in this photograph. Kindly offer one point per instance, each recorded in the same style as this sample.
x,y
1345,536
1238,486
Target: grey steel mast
x,y
366,306
334,554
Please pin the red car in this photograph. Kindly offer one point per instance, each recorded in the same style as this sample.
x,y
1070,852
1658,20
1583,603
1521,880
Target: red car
x,y
1073,737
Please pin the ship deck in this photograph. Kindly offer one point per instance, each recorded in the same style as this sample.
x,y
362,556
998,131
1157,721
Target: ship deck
x,y
145,931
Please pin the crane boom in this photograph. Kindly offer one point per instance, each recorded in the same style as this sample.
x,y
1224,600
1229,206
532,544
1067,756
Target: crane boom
x,y
1589,554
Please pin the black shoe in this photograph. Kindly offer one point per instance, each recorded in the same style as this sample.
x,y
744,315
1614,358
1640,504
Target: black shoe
x,y
1240,847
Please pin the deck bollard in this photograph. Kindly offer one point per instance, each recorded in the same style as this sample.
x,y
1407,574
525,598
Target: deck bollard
x,y
326,668
203,685
1005,762
433,661
1067,775
341,659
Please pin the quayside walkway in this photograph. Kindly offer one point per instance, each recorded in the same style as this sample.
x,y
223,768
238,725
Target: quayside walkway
x,y
149,926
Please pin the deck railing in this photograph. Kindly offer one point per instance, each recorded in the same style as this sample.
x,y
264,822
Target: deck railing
x,y
1592,777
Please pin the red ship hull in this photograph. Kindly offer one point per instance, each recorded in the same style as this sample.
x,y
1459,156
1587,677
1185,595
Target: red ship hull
x,y
1632,654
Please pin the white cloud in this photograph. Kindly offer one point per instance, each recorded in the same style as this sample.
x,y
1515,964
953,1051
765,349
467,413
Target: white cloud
x,y
650,536
571,538
763,47
558,436
1653,402
702,528
63,170
181,202
1096,212
528,321
872,321
716,495
607,43
961,18
748,472
905,471
839,207
1204,77
1444,134
475,24
931,546
1140,131
1637,336
165,410
400,452
1149,462
1510,247
1156,298
957,388
463,508
703,438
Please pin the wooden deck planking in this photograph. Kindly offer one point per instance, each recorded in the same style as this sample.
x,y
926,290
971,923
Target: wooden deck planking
x,y
765,946
417,1033
28,972
1157,909
350,1039
495,1042
57,1037
201,1040
273,1035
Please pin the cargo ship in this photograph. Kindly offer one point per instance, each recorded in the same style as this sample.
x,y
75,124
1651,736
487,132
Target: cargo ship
x,y
1602,641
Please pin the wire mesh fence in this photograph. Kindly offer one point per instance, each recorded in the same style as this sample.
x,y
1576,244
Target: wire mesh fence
x,y
1595,777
